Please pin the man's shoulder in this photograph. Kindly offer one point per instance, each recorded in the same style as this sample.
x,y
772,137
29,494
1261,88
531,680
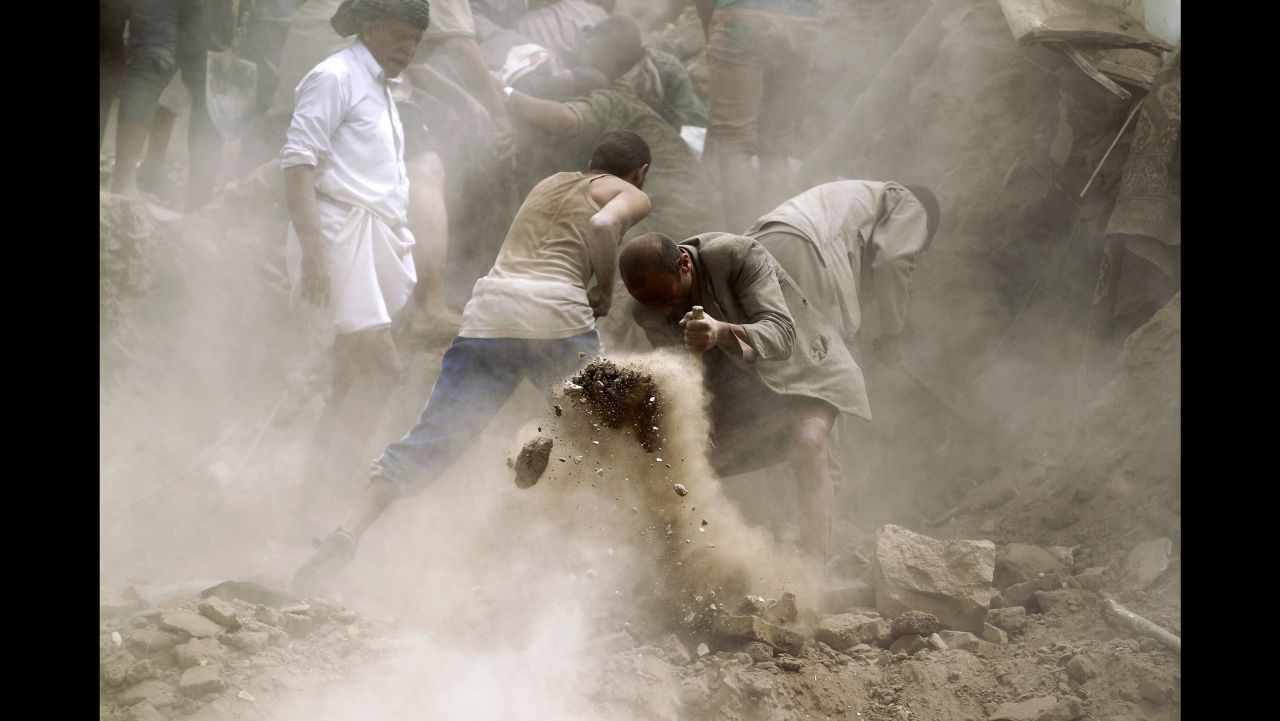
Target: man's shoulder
x,y
338,64
717,244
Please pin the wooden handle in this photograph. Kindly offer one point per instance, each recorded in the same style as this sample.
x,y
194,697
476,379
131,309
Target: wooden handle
x,y
696,356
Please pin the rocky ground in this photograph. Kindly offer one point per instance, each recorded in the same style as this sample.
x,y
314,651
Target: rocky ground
x,y
978,557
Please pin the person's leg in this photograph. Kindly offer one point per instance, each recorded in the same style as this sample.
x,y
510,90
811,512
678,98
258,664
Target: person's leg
x,y
204,144
737,77
787,58
429,223
477,376
366,368
151,176
112,16
809,461
153,39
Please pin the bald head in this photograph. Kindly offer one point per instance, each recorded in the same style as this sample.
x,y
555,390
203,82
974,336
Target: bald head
x,y
655,272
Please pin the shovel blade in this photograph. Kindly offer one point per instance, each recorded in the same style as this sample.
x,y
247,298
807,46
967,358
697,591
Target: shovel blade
x,y
231,86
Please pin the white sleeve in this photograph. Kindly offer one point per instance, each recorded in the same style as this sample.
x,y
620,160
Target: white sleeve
x,y
319,103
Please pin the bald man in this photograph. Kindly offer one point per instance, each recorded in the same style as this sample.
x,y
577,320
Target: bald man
x,y
776,370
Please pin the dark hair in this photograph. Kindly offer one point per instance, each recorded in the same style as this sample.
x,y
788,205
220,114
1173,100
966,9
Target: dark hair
x,y
645,254
931,207
613,46
619,152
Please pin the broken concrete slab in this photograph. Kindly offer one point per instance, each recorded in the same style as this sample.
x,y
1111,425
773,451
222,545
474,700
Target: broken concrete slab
x,y
269,616
673,650
249,591
845,630
991,634
950,579
248,641
1020,562
1028,710
155,692
200,680
199,651
916,622
150,640
1009,619
115,668
1023,594
220,612
1145,563
783,610
189,624
752,628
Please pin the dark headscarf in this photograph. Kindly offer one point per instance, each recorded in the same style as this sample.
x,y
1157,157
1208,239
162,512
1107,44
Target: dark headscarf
x,y
352,14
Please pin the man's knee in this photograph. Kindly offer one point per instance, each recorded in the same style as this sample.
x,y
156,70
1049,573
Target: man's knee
x,y
809,442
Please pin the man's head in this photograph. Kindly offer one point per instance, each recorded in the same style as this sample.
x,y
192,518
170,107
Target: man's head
x,y
391,29
624,154
931,208
657,274
612,46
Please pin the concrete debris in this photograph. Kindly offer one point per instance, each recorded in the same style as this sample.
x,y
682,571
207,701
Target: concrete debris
x,y
1066,599
1094,578
118,608
673,650
1068,709
856,594
702,650
681,490
1028,710
915,622
1145,563
908,644
950,579
753,628
845,630
936,642
200,680
157,693
144,712
1009,619
786,663
1081,668
269,616
758,651
991,634
151,640
189,624
199,651
783,610
249,592
532,461
220,612
1019,563
248,641
1024,594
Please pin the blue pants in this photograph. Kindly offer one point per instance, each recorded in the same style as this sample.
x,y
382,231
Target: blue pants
x,y
477,378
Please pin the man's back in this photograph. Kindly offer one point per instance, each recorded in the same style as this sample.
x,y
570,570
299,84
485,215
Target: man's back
x,y
537,287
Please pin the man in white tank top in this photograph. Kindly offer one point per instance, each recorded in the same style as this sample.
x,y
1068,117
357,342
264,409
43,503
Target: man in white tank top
x,y
530,317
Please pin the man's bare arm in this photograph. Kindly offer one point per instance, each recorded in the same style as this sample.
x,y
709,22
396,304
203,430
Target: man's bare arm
x,y
300,195
628,206
549,115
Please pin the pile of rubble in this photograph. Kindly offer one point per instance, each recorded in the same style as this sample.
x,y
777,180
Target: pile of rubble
x,y
221,655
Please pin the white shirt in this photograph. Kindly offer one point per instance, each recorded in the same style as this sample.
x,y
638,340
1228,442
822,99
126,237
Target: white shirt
x,y
346,125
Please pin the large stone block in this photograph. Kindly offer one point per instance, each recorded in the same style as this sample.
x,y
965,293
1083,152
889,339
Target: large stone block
x,y
950,579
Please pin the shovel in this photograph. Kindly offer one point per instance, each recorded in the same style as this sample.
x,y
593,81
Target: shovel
x,y
231,87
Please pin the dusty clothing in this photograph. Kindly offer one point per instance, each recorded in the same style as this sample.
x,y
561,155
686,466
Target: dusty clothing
x,y
839,230
662,81
449,19
759,62
537,288
346,126
799,353
558,26
684,201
